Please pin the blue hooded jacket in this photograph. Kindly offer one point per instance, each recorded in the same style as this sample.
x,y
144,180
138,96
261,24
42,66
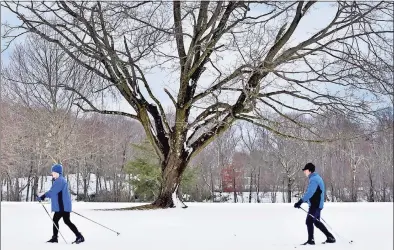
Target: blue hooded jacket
x,y
314,195
59,194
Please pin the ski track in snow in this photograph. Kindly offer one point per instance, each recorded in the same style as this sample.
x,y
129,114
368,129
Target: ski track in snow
x,y
200,227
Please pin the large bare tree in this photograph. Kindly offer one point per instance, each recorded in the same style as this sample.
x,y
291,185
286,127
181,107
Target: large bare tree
x,y
228,61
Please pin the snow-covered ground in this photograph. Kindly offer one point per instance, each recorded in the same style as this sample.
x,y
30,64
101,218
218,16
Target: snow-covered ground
x,y
200,227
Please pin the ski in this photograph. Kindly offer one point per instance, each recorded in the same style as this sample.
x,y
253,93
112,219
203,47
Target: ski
x,y
314,244
323,243
302,245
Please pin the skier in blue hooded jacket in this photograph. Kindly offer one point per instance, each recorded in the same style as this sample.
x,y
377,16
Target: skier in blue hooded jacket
x,y
60,204
314,195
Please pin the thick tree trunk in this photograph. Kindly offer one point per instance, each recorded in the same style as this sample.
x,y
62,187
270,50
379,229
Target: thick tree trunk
x,y
172,171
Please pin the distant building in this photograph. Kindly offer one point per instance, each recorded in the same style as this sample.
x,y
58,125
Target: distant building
x,y
232,179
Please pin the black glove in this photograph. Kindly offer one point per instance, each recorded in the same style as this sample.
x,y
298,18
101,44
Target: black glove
x,y
298,204
40,198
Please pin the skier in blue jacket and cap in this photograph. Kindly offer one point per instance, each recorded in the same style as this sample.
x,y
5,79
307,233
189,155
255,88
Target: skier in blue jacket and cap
x,y
315,197
60,204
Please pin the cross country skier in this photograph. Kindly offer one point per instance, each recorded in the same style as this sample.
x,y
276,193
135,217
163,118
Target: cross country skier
x,y
60,203
315,198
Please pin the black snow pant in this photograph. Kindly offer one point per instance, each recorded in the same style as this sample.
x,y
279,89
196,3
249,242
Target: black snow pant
x,y
310,221
66,218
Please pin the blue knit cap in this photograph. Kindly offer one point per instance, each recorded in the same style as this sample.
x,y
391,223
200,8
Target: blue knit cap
x,y
58,168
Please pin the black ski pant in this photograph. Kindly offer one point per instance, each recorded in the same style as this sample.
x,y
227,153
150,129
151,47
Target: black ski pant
x,y
310,221
66,218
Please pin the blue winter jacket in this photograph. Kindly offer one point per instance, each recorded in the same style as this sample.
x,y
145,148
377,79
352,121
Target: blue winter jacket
x,y
59,195
314,195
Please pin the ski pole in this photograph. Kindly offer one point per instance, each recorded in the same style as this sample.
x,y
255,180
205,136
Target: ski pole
x,y
96,222
52,221
350,242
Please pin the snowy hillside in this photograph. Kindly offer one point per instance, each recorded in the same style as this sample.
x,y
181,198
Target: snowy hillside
x,y
200,227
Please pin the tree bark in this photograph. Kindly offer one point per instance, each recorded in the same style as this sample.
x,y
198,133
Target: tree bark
x,y
85,188
8,188
172,170
130,188
105,184
332,193
1,188
354,185
371,196
212,184
16,192
114,187
283,191
289,184
258,186
384,189
42,182
77,180
34,189
234,187
29,180
97,182
250,186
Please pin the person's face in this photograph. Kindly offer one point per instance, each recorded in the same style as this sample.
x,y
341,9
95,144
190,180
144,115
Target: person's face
x,y
307,172
55,175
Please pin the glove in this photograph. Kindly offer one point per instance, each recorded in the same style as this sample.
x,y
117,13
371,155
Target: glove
x,y
298,203
40,198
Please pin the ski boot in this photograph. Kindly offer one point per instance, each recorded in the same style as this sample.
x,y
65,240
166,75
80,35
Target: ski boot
x,y
309,242
79,239
330,239
53,240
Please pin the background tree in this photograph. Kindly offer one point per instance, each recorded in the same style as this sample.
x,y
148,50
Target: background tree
x,y
146,173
